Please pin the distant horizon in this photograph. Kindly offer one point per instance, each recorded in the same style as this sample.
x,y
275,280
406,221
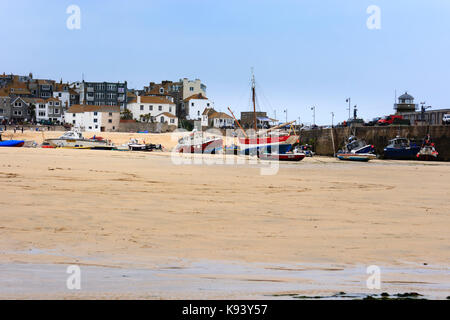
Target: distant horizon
x,y
304,53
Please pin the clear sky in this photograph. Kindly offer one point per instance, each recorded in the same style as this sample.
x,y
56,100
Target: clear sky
x,y
304,53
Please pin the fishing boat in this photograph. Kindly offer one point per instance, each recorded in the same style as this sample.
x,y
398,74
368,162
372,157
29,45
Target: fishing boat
x,y
427,153
427,150
282,157
12,143
74,140
146,147
265,141
356,150
198,142
401,149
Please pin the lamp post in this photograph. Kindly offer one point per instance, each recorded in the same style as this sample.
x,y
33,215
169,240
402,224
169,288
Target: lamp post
x,y
332,119
285,111
349,100
313,108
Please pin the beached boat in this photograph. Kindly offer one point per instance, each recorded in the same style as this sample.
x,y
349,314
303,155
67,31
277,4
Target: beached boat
x,y
74,140
266,141
427,153
355,156
356,150
401,149
427,150
282,157
144,147
12,143
197,142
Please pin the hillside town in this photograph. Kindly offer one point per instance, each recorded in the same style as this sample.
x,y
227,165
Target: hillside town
x,y
102,106
158,107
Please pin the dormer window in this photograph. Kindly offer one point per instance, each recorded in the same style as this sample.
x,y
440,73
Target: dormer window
x,y
161,90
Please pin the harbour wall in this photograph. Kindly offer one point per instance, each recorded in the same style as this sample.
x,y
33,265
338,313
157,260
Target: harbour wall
x,y
322,142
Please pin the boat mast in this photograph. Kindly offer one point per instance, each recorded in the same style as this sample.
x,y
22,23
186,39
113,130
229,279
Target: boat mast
x,y
254,100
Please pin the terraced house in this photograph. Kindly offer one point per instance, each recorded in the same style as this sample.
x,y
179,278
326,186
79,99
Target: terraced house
x,y
48,110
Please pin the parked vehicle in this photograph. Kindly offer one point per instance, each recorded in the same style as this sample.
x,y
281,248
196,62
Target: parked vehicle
x,y
401,149
446,119
372,122
392,119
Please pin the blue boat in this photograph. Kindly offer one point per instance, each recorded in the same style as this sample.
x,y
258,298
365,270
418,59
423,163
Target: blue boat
x,y
12,143
401,149
356,150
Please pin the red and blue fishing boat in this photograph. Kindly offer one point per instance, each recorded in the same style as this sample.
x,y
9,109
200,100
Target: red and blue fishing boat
x,y
266,141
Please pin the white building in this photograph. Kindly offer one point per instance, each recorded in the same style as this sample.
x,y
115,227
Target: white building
x,y
167,117
195,105
220,120
155,106
62,93
94,118
192,87
50,109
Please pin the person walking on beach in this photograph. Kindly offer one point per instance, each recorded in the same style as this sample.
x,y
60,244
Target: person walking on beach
x,y
22,129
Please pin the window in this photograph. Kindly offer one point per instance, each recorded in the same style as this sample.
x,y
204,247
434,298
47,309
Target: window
x,y
41,113
198,112
56,111
110,114
191,89
96,126
17,112
161,90
142,107
73,114
90,127
60,94
1,110
160,108
110,120
95,120
172,120
56,103
95,113
192,104
207,104
73,121
50,103
42,106
17,104
150,108
170,109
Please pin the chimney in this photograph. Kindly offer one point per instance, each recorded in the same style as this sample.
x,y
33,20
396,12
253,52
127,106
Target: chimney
x,y
138,97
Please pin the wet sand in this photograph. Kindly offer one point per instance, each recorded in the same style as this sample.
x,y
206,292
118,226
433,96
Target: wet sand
x,y
143,215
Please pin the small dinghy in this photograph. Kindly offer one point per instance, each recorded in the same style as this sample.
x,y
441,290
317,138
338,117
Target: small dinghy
x,y
12,143
282,157
356,150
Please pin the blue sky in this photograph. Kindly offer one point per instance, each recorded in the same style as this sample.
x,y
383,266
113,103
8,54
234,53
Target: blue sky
x,y
304,53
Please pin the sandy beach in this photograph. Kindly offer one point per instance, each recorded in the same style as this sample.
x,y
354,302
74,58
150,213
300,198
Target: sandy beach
x,y
217,231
